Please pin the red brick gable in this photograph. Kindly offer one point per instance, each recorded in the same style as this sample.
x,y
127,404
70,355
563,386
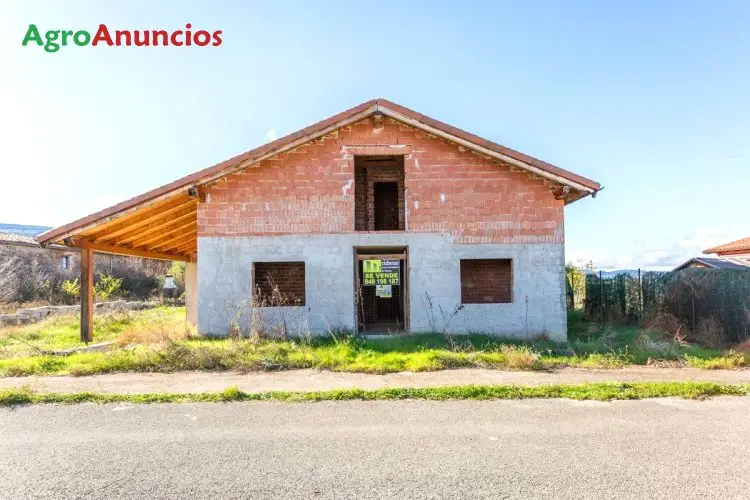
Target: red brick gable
x,y
310,189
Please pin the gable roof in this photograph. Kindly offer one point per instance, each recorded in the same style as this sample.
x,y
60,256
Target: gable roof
x,y
717,263
739,246
17,239
574,186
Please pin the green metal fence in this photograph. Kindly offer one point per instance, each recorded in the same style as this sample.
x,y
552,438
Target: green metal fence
x,y
697,298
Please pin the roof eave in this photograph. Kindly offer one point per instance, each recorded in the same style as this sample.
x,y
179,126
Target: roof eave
x,y
583,186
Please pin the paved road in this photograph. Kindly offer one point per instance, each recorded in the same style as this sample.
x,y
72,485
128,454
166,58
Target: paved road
x,y
409,449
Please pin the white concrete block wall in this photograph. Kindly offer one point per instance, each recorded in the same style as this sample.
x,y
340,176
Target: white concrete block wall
x,y
225,273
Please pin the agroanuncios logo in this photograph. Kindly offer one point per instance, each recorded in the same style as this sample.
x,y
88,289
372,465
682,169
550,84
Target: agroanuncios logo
x,y
53,40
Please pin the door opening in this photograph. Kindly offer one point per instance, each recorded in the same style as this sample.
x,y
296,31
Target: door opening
x,y
386,206
381,291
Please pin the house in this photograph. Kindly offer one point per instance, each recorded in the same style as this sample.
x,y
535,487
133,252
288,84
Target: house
x,y
38,270
739,249
734,255
377,219
18,241
733,263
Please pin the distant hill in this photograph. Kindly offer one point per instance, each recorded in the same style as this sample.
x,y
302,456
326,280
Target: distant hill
x,y
23,229
629,272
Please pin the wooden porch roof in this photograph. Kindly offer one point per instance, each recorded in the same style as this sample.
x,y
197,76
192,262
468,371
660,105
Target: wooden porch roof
x,y
166,230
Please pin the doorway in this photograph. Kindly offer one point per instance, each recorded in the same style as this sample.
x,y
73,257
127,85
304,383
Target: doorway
x,y
381,290
386,206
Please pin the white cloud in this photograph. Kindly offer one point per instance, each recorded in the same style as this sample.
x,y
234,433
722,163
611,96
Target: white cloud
x,y
666,257
271,135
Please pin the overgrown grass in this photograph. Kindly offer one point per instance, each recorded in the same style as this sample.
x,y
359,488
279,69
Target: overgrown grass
x,y
591,391
158,341
63,332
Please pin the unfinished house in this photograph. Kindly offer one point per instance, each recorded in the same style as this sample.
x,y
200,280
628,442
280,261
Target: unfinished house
x,y
377,220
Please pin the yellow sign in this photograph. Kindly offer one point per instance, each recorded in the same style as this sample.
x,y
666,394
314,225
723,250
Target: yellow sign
x,y
381,272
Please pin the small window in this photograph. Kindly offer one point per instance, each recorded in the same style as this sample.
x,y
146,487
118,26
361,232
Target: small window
x,y
65,262
486,281
278,284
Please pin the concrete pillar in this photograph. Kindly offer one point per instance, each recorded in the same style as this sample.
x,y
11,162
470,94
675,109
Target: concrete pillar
x,y
191,292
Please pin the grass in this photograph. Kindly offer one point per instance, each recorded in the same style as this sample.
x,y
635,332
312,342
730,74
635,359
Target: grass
x,y
157,340
591,391
63,332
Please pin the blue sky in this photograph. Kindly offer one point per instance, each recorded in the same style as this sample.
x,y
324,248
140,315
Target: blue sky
x,y
652,99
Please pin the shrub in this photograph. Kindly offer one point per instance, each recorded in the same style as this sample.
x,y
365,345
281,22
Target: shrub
x,y
71,290
106,287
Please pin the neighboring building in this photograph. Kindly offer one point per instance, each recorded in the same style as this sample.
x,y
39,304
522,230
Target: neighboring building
x,y
733,255
716,263
56,263
56,257
739,249
378,219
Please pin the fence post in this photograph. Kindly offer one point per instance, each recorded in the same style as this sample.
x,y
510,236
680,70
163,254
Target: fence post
x,y
640,295
601,296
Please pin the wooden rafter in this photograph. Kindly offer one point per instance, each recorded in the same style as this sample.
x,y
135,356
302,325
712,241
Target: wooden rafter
x,y
135,227
172,231
167,239
167,247
118,250
139,220
189,247
115,219
143,235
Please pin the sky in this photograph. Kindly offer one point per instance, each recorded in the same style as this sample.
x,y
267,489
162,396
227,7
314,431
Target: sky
x,y
649,98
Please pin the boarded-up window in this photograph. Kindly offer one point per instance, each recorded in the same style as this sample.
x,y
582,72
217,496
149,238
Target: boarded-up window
x,y
279,284
486,281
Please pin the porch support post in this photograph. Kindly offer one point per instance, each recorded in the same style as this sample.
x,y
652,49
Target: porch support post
x,y
191,292
87,294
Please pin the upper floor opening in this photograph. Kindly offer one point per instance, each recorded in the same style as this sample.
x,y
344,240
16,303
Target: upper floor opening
x,y
379,202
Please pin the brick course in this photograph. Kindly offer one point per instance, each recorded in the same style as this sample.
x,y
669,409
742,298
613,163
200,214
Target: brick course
x,y
311,190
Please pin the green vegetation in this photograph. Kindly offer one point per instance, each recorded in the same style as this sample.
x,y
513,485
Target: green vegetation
x,y
63,332
593,391
157,340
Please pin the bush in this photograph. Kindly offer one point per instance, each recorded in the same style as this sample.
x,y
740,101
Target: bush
x,y
71,290
107,287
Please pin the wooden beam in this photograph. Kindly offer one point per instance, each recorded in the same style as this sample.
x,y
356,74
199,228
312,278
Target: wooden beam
x,y
187,248
137,220
114,219
156,240
136,225
172,244
87,295
164,226
132,252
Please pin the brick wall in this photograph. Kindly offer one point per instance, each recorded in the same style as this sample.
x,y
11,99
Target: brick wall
x,y
287,277
311,189
486,281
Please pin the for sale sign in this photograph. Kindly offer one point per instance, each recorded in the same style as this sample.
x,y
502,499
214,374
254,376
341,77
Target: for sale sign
x,y
381,272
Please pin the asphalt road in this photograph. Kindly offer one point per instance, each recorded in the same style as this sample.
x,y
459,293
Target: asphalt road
x,y
409,449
